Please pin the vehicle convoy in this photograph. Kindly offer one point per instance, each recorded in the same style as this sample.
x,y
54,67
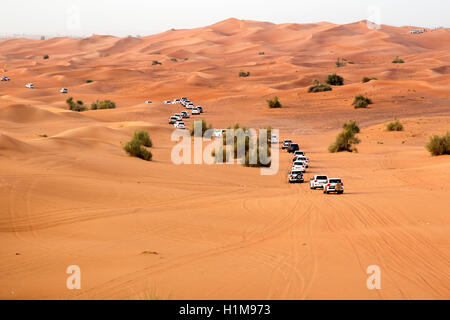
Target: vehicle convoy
x,y
286,144
318,181
296,176
293,147
333,185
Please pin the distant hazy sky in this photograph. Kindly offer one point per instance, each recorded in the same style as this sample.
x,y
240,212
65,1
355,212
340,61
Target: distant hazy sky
x,y
143,17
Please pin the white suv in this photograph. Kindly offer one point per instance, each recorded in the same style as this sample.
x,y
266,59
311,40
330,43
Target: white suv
x,y
296,176
173,119
179,125
302,158
64,90
195,111
299,165
286,144
29,86
318,181
334,185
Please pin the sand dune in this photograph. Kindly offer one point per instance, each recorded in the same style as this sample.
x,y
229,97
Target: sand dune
x,y
69,194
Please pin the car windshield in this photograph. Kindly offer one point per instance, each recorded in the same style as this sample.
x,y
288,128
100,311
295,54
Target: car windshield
x,y
322,177
298,163
335,180
296,172
294,145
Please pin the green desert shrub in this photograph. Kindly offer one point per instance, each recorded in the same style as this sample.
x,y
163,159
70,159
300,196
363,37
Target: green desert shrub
x,y
143,137
205,127
274,103
439,145
341,62
319,87
89,81
217,156
398,60
46,56
77,106
351,126
361,101
346,139
258,152
367,79
135,147
395,125
103,104
174,59
335,80
261,53
243,74
155,62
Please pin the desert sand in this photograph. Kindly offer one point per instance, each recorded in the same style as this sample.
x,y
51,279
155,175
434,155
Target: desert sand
x,y
70,195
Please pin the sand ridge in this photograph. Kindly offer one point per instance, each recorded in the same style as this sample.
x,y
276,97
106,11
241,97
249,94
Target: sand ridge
x,y
70,195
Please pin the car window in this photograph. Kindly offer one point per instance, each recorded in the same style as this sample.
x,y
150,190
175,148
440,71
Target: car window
x,y
322,177
335,181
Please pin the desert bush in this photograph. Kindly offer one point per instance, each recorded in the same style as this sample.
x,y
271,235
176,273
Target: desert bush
x,y
395,125
257,151
135,148
361,101
174,60
217,156
103,104
155,62
439,145
46,56
335,80
319,87
89,81
346,139
274,103
398,60
75,106
143,137
341,62
261,53
367,79
244,74
205,127
351,126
